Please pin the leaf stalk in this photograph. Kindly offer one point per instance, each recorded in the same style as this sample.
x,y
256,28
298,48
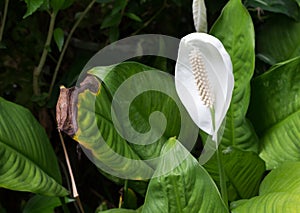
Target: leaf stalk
x,y
4,19
220,163
37,70
61,56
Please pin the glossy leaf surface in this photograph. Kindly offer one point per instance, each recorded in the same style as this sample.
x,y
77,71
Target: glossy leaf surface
x,y
187,188
27,160
238,40
277,123
244,171
278,40
101,125
39,203
239,142
287,7
32,6
59,38
279,192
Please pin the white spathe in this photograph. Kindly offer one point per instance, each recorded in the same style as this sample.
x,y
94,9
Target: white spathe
x,y
218,67
199,16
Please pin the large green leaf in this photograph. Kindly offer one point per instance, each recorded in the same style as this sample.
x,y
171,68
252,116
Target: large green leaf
x,y
237,36
97,134
244,171
27,160
275,112
97,126
287,7
239,142
278,40
279,192
44,204
285,178
187,188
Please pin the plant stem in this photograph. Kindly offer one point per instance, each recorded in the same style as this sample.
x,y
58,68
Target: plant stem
x,y
3,19
74,188
220,164
125,194
87,9
37,71
222,177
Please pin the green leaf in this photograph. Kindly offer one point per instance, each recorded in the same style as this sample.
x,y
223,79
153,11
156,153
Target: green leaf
x,y
278,40
279,192
129,199
32,6
273,202
119,5
59,38
119,211
44,204
113,34
97,126
110,21
283,179
27,160
133,17
67,3
244,171
237,36
287,7
187,188
147,102
60,4
96,132
275,112
115,17
57,5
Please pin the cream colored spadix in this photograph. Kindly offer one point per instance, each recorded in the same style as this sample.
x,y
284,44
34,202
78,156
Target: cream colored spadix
x,y
204,80
199,15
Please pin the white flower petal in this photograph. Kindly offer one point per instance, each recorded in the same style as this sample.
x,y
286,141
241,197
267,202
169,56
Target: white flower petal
x,y
220,78
199,15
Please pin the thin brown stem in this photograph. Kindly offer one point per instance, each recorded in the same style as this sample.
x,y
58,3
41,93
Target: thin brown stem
x,y
74,188
87,9
3,19
37,71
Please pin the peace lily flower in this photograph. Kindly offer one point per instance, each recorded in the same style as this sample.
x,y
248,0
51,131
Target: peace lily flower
x,y
204,80
199,16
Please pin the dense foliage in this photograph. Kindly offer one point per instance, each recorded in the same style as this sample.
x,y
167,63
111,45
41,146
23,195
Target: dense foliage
x,y
46,43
